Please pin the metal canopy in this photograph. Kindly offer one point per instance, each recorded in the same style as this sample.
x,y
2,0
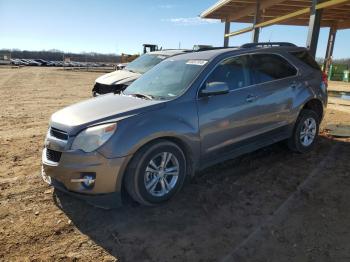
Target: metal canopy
x,y
336,13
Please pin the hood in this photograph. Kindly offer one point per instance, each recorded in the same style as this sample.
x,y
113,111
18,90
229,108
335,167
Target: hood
x,y
117,77
108,107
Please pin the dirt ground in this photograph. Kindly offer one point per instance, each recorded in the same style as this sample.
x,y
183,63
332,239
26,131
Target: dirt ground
x,y
270,205
339,86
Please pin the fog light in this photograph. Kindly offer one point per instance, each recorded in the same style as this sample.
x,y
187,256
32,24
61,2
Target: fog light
x,y
87,180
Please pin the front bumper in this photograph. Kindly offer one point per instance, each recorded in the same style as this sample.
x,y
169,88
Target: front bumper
x,y
74,165
105,201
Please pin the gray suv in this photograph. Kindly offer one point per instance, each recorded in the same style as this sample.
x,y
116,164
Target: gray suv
x,y
188,112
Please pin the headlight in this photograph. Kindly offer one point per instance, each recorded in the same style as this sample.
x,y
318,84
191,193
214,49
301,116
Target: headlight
x,y
93,137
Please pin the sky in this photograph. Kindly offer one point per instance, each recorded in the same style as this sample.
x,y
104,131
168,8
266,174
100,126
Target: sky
x,y
122,26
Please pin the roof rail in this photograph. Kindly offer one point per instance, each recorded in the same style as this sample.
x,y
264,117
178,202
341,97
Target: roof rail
x,y
213,48
171,49
267,44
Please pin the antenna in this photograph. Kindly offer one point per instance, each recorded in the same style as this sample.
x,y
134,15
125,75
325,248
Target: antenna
x,y
270,36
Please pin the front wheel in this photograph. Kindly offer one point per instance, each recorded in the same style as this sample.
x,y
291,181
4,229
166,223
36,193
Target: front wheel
x,y
305,132
156,173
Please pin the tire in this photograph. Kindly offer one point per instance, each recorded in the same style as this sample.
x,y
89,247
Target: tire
x,y
308,122
148,187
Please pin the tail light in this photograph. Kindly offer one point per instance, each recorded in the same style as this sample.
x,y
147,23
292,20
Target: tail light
x,y
325,78
324,83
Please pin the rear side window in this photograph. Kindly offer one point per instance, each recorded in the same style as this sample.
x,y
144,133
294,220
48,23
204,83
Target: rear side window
x,y
269,67
305,57
232,71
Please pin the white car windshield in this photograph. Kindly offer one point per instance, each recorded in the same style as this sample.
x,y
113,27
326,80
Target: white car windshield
x,y
144,63
166,80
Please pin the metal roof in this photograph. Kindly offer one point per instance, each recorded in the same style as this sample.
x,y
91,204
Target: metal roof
x,y
244,10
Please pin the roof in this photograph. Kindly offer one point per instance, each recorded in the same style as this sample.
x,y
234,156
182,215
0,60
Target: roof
x,y
243,11
211,54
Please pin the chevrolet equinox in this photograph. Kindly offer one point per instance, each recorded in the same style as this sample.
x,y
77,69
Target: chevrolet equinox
x,y
188,112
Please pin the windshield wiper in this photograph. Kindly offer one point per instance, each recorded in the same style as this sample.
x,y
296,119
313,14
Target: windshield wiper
x,y
149,97
132,71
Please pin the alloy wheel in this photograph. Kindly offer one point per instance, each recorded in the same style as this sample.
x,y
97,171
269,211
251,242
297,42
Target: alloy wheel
x,y
161,174
308,132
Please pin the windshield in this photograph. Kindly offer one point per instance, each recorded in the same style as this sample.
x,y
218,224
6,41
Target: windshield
x,y
144,63
166,80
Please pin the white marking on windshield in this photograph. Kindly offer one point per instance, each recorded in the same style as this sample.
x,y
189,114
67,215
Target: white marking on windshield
x,y
197,62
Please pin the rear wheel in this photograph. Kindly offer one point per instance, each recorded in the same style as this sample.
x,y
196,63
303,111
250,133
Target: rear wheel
x,y
156,173
305,132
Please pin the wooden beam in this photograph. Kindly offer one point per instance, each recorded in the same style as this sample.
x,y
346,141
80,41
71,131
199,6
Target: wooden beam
x,y
227,30
314,28
330,47
284,17
330,3
344,25
287,16
257,17
215,7
250,9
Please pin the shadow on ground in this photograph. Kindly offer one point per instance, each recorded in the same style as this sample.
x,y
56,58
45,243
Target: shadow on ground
x,y
212,214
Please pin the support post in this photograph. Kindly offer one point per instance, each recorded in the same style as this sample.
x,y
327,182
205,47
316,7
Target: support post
x,y
227,30
256,31
330,47
314,28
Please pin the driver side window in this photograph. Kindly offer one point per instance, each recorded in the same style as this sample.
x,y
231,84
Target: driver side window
x,y
232,71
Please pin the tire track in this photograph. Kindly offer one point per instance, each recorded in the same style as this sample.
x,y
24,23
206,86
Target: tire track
x,y
240,251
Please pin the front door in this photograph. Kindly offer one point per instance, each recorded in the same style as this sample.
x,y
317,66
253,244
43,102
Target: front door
x,y
227,118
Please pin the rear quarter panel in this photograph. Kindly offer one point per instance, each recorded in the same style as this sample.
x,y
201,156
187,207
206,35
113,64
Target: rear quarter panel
x,y
309,87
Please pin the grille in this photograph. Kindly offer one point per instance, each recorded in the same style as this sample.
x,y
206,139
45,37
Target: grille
x,y
105,89
58,134
53,155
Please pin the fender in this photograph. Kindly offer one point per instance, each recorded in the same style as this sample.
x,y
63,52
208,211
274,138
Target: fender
x,y
168,122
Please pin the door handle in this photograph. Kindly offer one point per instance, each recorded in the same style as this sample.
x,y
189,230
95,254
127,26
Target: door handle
x,y
251,98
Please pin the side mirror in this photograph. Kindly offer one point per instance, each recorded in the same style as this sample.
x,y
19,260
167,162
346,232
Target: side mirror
x,y
215,88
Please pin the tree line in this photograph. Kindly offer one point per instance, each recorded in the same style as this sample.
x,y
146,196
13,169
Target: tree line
x,y
56,55
337,61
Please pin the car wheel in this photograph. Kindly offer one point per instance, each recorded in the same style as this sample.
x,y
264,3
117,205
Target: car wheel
x,y
305,132
156,173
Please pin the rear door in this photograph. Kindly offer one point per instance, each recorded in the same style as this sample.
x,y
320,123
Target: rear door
x,y
276,82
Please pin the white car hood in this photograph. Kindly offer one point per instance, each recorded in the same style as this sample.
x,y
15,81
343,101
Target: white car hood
x,y
118,77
